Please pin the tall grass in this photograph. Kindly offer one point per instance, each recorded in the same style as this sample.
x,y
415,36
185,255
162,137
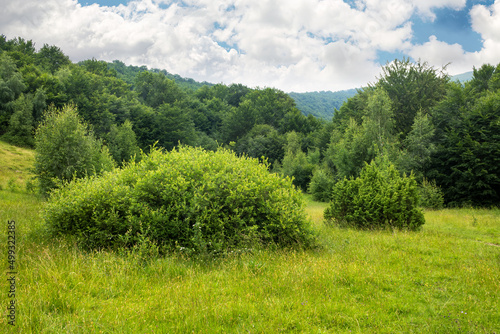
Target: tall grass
x,y
443,279
15,166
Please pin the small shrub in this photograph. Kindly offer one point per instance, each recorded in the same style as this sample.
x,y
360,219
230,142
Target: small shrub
x,y
431,196
378,198
184,199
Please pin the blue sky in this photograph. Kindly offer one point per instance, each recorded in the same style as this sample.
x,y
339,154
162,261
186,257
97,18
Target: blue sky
x,y
293,45
451,26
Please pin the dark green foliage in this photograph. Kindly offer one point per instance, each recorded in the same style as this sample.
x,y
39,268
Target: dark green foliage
x,y
468,162
11,88
130,72
184,199
122,143
65,149
378,198
431,196
51,58
440,130
156,89
20,131
296,163
418,147
353,108
262,141
173,125
412,87
232,95
321,185
481,78
348,152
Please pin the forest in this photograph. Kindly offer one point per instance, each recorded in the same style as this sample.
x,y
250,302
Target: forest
x,y
446,133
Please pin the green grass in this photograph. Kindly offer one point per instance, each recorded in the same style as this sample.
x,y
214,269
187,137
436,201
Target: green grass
x,y
15,165
443,279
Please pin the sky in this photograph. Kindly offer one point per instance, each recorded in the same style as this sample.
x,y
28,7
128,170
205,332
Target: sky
x,y
292,45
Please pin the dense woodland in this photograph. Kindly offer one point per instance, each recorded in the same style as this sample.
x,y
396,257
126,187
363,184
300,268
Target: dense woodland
x,y
446,133
321,104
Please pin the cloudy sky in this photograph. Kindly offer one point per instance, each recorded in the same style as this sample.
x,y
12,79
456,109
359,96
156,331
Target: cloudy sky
x,y
293,45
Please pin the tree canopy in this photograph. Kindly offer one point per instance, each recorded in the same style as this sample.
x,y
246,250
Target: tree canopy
x,y
445,132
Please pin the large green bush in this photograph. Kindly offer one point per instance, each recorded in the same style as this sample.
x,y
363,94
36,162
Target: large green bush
x,y
378,198
186,199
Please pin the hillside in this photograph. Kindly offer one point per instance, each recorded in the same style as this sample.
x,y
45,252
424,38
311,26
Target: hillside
x,y
15,166
321,104
128,74
462,77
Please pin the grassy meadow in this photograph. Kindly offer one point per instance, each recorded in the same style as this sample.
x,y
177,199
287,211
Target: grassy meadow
x,y
442,279
15,165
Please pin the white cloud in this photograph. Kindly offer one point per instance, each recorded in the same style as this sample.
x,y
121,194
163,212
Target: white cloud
x,y
425,7
485,21
298,45
440,54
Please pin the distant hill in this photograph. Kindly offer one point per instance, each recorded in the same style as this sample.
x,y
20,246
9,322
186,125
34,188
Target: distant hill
x,y
321,104
462,77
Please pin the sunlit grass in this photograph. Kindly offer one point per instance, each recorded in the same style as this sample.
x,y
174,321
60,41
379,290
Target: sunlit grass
x,y
442,279
15,165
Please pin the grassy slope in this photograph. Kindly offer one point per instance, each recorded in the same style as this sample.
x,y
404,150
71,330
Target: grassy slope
x,y
15,163
443,279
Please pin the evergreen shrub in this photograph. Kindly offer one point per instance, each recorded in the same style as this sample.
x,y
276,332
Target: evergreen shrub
x,y
188,199
378,198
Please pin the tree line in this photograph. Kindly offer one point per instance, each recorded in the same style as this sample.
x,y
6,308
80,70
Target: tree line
x,y
445,133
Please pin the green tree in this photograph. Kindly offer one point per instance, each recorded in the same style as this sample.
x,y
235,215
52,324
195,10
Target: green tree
x,y
21,51
237,122
418,147
20,131
378,122
267,106
262,141
122,142
11,87
155,89
295,162
65,149
481,78
467,162
173,125
412,87
51,58
321,185
347,152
